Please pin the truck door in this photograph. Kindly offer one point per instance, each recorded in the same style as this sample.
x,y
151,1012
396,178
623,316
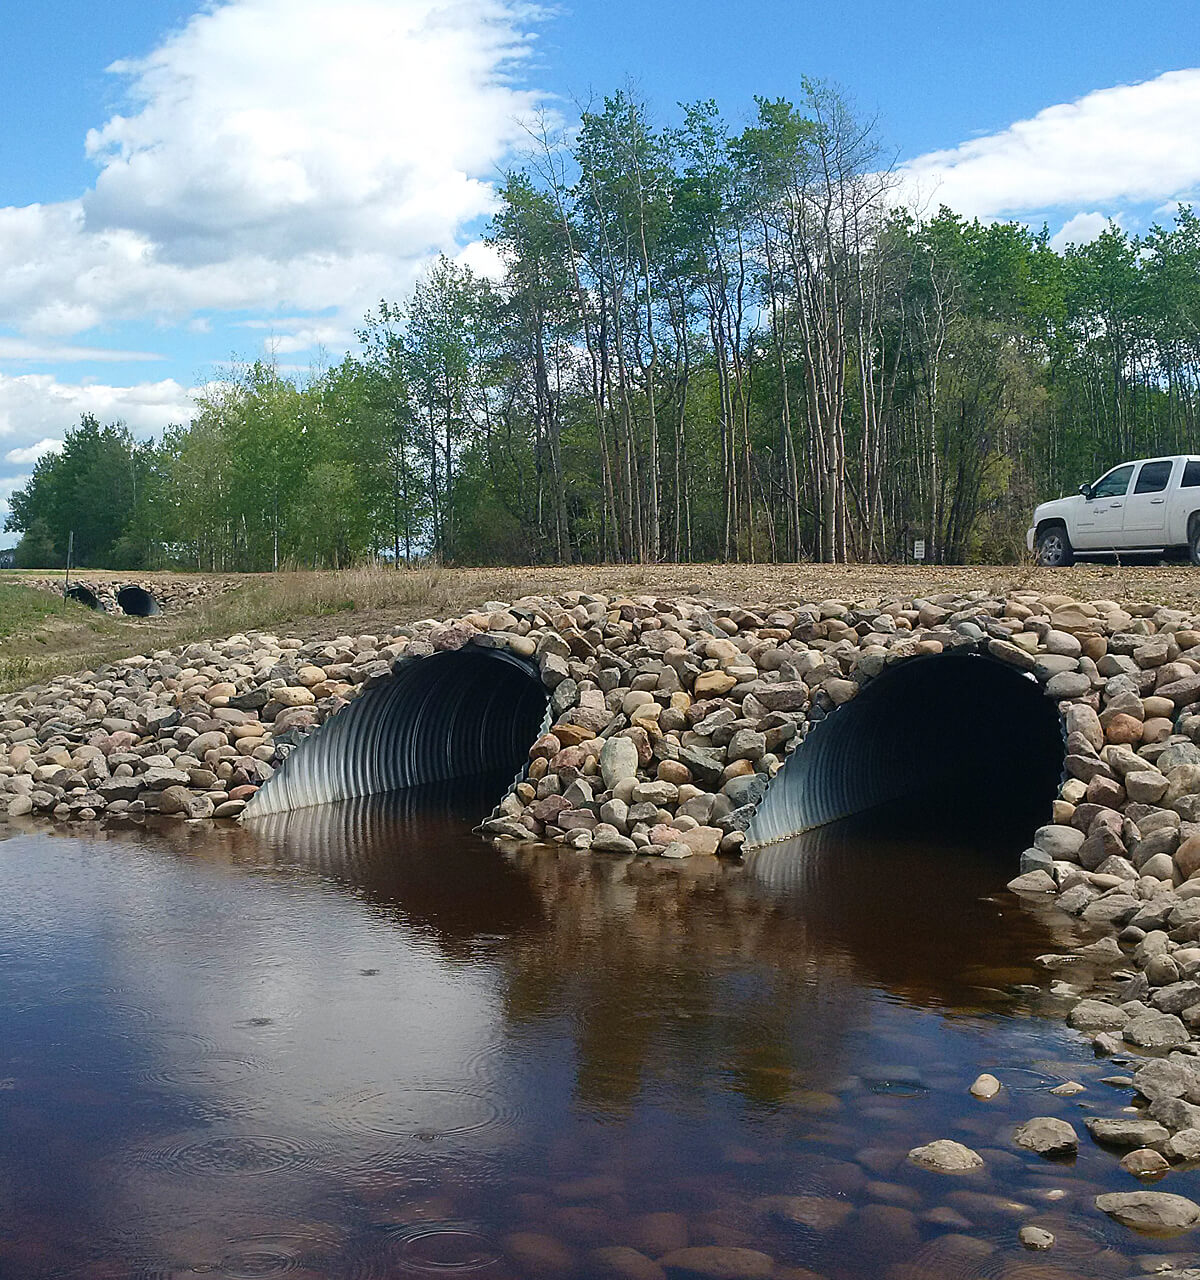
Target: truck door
x,y
1102,515
1146,506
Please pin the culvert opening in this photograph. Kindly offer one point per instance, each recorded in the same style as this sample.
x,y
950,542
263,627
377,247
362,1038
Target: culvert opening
x,y
453,715
84,596
137,602
953,728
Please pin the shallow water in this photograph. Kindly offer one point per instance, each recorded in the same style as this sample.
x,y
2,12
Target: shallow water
x,y
362,1043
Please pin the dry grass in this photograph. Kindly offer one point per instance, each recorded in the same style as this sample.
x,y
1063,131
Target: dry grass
x,y
370,599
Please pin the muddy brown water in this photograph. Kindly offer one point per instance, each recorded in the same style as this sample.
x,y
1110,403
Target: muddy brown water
x,y
361,1043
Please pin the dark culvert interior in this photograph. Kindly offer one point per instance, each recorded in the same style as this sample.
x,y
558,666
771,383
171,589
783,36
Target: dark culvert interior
x,y
137,602
84,596
961,731
451,715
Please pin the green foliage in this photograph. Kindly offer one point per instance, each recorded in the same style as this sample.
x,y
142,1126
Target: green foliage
x,y
106,488
703,345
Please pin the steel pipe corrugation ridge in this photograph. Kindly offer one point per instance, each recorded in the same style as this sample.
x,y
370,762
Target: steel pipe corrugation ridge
x,y
920,723
446,716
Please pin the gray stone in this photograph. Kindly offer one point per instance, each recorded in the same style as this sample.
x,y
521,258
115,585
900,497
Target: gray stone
x,y
1156,1031
1048,1136
946,1156
1061,843
1126,1131
1096,1015
1068,684
618,760
1111,910
747,744
1175,1113
1172,1077
1145,786
1035,1238
1154,1212
1036,881
1176,997
607,839
1036,860
1184,1145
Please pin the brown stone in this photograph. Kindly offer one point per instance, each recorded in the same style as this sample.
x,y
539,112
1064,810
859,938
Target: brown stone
x,y
710,683
1106,791
539,1255
719,1262
673,771
1123,728
619,1262
656,1233
705,840
571,735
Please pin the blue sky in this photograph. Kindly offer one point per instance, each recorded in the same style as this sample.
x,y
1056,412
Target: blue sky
x,y
182,184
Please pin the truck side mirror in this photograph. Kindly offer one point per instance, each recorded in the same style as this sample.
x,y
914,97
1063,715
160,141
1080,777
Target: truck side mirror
x,y
1086,490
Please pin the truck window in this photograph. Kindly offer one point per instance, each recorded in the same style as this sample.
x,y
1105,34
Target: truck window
x,y
1114,484
1153,477
1191,476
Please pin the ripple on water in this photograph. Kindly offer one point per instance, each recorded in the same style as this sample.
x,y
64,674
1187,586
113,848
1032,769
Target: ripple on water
x,y
418,1113
300,1248
1026,1079
231,1154
214,1068
429,1249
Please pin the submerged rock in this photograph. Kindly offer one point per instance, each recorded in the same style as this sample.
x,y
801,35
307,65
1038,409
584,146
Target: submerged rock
x,y
718,1262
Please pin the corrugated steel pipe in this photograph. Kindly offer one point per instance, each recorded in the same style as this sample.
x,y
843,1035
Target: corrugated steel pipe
x,y
947,722
450,715
137,602
85,596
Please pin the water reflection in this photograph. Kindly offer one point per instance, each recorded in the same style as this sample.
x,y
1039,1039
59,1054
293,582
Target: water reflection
x,y
357,1041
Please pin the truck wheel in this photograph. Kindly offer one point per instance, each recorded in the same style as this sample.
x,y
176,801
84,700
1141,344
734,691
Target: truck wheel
x,y
1194,541
1054,548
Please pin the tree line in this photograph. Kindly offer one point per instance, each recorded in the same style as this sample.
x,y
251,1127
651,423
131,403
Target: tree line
x,y
704,343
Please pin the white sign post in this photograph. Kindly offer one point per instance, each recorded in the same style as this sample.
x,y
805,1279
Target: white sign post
x,y
919,549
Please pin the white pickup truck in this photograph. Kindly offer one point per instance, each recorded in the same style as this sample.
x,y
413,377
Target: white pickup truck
x,y
1152,505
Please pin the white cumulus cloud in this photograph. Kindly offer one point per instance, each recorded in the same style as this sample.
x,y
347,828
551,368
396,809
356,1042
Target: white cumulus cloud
x,y
278,153
34,451
1083,228
1133,144
38,406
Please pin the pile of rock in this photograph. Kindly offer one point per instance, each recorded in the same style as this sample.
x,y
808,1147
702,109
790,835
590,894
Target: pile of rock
x,y
191,732
170,593
669,717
